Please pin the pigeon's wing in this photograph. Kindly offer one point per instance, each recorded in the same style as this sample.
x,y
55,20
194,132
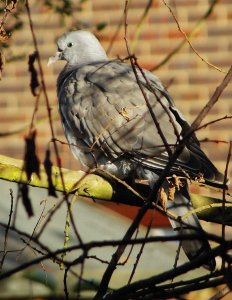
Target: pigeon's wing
x,y
192,161
103,108
105,114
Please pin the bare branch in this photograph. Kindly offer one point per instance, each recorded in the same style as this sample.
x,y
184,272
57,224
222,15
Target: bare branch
x,y
5,251
190,35
140,23
188,40
212,100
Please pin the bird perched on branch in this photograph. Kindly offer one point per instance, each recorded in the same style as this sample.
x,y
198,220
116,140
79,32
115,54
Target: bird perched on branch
x,y
119,117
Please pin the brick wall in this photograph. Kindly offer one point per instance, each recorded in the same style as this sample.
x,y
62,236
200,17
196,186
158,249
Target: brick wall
x,y
191,81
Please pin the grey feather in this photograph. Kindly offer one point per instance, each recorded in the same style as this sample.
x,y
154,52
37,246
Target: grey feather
x,y
107,123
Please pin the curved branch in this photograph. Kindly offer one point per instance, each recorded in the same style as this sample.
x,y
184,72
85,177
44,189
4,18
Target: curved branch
x,y
103,186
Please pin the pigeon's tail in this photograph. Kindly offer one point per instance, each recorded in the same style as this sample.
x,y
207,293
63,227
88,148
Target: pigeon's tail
x,y
180,207
190,225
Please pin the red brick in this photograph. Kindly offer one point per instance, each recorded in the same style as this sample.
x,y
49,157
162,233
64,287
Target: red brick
x,y
193,82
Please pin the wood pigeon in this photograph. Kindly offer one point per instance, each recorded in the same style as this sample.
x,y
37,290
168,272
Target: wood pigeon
x,y
121,118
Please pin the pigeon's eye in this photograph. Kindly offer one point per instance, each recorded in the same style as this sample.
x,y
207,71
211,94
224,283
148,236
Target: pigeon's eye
x,y
69,45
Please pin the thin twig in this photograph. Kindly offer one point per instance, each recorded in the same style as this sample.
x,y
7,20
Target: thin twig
x,y
206,140
116,256
224,200
162,277
133,62
80,278
204,207
213,122
141,250
114,37
177,254
182,43
114,243
77,261
216,95
140,23
35,111
188,40
221,294
43,85
5,245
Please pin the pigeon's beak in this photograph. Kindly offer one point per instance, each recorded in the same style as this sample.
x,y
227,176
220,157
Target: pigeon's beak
x,y
54,58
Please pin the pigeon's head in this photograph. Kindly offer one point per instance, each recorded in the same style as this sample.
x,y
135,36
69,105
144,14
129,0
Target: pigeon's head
x,y
78,48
